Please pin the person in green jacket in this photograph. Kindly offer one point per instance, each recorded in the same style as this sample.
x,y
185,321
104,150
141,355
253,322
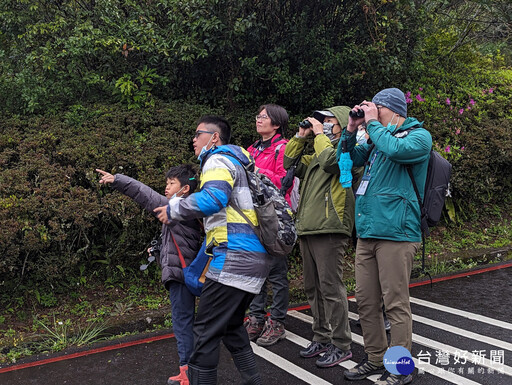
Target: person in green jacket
x,y
325,218
387,225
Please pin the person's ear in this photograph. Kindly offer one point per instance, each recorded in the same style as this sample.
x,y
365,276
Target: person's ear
x,y
186,190
216,138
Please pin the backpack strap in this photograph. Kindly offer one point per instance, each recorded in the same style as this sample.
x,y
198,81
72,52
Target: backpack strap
x,y
182,260
423,213
278,147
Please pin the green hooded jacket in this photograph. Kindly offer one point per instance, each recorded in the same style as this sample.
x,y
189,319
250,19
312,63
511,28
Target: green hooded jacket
x,y
324,206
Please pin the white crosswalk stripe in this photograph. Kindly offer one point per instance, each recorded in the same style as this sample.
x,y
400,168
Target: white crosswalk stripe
x,y
289,367
431,369
462,313
451,345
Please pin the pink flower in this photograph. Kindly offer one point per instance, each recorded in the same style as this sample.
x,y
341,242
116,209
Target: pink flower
x,y
457,132
491,90
448,101
419,98
468,108
421,88
472,102
462,148
408,94
447,149
408,100
461,111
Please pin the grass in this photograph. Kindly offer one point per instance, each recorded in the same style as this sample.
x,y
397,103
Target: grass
x,y
52,322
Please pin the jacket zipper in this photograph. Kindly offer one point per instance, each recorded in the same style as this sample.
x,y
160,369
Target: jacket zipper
x,y
326,205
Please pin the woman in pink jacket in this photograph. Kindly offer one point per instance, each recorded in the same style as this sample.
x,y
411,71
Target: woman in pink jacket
x,y
268,153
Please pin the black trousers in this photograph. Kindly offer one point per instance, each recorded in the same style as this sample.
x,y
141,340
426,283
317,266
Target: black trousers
x,y
220,316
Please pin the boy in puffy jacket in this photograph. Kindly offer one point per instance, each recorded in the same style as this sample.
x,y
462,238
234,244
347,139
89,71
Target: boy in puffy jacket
x,y
181,181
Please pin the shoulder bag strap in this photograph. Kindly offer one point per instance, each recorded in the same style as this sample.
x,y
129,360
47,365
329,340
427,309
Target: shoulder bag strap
x,y
183,264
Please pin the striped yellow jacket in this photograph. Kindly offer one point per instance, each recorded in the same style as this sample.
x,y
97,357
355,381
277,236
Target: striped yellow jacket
x,y
239,259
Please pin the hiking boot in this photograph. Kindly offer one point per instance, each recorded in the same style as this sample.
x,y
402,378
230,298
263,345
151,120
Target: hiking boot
x,y
393,379
180,379
333,356
253,327
313,349
272,333
362,370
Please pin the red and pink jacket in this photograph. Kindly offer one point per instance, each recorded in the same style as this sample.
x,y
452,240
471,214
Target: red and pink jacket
x,y
270,160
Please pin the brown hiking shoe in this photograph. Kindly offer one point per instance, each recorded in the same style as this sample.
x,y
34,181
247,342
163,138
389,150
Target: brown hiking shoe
x,y
273,332
253,327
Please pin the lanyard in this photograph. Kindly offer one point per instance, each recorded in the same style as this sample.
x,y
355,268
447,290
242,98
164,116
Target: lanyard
x,y
374,157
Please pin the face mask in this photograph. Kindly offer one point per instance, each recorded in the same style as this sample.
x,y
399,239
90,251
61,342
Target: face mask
x,y
205,150
177,192
328,131
392,127
361,137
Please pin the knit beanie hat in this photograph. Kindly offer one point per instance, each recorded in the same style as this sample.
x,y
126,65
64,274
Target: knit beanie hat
x,y
392,98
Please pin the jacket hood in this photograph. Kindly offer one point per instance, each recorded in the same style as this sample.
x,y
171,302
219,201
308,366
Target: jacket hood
x,y
238,152
341,113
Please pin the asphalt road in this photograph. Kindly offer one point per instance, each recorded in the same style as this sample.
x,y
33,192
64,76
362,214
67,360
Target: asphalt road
x,y
462,334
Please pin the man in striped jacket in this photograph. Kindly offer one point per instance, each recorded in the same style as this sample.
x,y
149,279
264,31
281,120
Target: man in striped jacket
x,y
240,263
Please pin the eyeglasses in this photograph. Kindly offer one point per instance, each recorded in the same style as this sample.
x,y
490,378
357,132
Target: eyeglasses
x,y
261,116
199,132
379,107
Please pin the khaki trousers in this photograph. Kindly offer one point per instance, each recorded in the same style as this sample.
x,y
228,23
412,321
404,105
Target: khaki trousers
x,y
383,271
322,256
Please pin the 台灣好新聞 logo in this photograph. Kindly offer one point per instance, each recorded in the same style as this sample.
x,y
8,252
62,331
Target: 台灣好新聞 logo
x,y
398,360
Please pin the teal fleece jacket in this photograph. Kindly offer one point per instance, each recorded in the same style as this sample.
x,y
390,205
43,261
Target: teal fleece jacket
x,y
389,208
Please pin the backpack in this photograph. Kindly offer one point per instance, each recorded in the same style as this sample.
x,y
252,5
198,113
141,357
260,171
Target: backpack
x,y
437,188
285,183
276,227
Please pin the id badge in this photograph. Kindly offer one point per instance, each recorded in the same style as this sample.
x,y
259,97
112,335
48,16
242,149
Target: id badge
x,y
361,190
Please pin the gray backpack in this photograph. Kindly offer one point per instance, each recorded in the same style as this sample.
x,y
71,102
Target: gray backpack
x,y
276,227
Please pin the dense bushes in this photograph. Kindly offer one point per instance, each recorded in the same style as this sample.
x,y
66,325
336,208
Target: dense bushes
x,y
157,66
465,101
60,228
222,52
57,223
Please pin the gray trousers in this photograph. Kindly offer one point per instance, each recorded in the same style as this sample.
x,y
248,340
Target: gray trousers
x,y
278,278
383,271
322,256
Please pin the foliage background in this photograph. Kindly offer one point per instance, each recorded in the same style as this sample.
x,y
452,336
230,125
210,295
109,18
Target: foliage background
x,y
119,85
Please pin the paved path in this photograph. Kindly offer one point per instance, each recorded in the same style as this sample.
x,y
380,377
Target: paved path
x,y
462,334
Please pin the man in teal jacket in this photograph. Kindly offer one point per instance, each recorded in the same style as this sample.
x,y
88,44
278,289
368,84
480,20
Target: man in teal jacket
x,y
387,224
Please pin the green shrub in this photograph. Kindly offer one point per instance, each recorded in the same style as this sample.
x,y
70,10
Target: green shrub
x,y
58,225
465,103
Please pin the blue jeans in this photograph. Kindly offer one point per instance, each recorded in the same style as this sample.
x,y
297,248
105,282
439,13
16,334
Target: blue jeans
x,y
182,307
280,295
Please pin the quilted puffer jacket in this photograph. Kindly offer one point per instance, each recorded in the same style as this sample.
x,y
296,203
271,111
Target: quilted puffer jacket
x,y
187,234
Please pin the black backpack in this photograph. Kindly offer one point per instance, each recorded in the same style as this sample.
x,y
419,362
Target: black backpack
x,y
437,188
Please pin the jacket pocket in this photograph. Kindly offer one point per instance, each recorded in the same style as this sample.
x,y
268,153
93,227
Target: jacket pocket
x,y
389,214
